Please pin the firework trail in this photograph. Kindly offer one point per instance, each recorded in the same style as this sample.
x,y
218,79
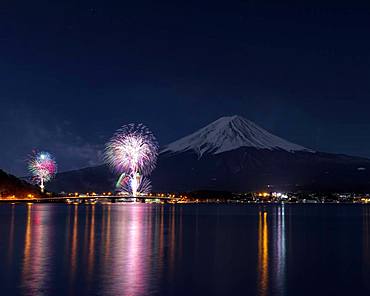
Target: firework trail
x,y
133,186
42,167
132,152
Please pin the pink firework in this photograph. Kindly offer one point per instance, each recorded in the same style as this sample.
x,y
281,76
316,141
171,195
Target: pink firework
x,y
42,166
133,149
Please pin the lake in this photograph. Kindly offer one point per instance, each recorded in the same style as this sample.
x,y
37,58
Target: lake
x,y
203,249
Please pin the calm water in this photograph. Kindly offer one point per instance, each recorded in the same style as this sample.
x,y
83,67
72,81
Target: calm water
x,y
139,249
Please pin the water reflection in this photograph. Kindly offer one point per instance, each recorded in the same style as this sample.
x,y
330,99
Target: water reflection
x,y
159,243
272,251
126,271
11,238
366,245
263,253
140,249
133,249
91,248
136,250
172,240
36,260
280,250
106,234
73,250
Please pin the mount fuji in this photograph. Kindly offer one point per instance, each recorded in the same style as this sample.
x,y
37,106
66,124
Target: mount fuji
x,y
234,154
230,133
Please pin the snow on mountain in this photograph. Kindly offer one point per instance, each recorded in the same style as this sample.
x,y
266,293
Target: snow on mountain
x,y
230,133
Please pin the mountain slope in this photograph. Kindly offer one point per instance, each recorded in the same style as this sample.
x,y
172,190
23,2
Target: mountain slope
x,y
247,169
98,179
11,185
235,154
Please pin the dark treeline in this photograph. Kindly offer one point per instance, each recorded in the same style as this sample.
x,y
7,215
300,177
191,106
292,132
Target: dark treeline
x,y
11,185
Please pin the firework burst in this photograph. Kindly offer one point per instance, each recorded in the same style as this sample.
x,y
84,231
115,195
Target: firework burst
x,y
132,152
43,167
133,186
133,148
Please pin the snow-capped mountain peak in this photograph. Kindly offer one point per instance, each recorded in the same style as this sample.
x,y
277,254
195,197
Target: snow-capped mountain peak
x,y
230,133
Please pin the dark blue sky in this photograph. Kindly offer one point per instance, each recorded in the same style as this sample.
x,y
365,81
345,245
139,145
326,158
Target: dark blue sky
x,y
72,73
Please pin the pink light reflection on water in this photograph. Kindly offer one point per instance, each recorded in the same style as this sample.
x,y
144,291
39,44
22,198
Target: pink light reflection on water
x,y
127,270
36,265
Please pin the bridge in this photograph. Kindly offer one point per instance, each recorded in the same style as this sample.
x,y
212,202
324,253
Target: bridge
x,y
84,198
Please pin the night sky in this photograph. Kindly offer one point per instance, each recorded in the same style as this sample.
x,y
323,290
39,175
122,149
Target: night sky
x,y
72,73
